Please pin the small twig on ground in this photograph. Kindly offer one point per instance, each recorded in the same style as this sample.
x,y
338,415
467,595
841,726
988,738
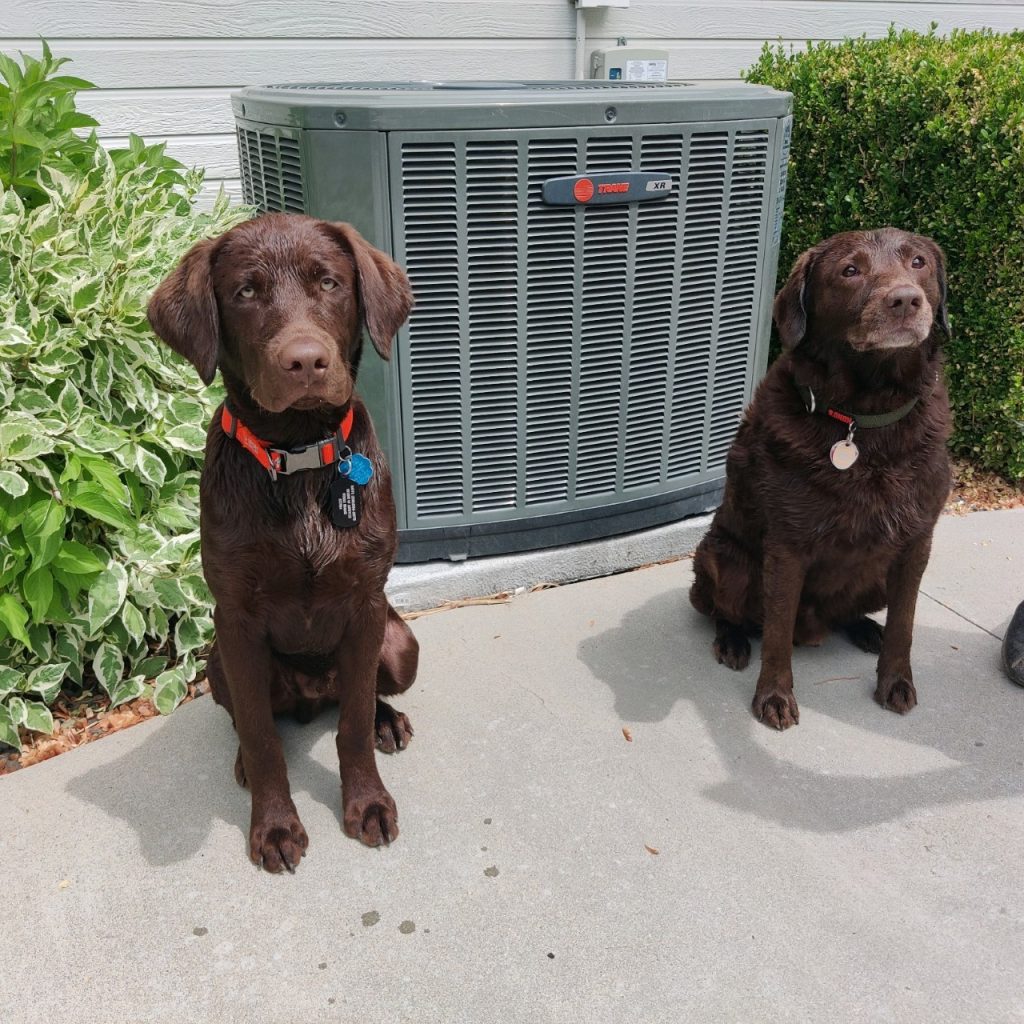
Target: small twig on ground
x,y
837,679
468,602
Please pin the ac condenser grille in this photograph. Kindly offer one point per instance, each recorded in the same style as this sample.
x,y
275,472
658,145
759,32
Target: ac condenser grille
x,y
271,170
561,357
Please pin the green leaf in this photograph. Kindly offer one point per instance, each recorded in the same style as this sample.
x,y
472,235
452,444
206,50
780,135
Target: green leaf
x,y
85,293
106,595
176,518
149,667
70,403
15,341
14,617
46,680
13,483
77,559
10,680
186,437
90,498
195,589
23,439
192,633
149,466
107,477
108,666
18,709
170,593
37,587
133,620
8,730
38,717
169,690
43,528
127,689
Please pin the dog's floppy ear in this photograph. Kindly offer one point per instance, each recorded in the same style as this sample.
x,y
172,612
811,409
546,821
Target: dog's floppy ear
x,y
385,296
183,310
941,316
790,309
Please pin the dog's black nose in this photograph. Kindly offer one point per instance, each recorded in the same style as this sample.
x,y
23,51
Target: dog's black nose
x,y
905,299
307,360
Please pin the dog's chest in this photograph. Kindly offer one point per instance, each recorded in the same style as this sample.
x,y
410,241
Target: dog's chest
x,y
887,505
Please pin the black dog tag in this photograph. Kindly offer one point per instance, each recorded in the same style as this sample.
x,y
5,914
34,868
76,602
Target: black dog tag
x,y
345,502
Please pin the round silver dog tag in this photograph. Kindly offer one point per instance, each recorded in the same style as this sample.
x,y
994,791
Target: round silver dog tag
x,y
844,454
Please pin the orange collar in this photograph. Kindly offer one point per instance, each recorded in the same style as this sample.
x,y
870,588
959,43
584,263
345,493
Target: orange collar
x,y
289,460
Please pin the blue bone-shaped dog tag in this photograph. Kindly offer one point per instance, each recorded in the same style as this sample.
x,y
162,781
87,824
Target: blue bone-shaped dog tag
x,y
358,468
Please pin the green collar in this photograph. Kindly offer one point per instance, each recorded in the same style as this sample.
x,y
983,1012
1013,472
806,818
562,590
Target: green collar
x,y
855,420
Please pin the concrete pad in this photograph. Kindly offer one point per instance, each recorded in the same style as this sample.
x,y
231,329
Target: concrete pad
x,y
414,587
977,566
859,867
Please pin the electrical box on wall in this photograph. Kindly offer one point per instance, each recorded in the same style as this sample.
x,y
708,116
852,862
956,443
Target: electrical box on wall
x,y
629,64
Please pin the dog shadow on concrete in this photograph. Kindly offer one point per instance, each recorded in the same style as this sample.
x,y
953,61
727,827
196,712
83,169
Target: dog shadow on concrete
x,y
968,712
174,786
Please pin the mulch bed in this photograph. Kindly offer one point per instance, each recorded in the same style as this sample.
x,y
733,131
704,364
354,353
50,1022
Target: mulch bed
x,y
88,716
977,491
81,719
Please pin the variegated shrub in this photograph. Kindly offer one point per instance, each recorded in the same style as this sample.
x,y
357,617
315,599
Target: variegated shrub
x,y
101,430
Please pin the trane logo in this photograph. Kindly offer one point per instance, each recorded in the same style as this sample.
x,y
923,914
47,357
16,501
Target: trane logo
x,y
622,186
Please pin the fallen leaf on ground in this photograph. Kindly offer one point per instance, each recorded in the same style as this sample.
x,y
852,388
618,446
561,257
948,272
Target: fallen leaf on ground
x,y
627,734
653,850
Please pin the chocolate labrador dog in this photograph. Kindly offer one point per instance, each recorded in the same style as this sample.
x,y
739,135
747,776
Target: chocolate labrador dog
x,y
297,520
838,471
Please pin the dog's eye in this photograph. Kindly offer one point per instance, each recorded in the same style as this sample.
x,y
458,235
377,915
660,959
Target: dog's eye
x,y
917,261
247,292
328,283
850,270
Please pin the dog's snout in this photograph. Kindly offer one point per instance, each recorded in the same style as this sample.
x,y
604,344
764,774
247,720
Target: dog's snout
x,y
905,300
305,359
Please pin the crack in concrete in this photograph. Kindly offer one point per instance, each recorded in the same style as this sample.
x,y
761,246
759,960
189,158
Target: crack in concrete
x,y
960,615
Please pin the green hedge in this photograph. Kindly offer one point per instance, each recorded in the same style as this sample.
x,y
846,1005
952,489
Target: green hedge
x,y
925,133
101,428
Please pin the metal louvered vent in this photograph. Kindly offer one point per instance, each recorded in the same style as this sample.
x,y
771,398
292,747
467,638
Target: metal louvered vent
x,y
271,170
565,357
584,338
469,86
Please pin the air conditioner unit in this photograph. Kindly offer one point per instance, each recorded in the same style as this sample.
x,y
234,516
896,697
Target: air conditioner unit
x,y
593,265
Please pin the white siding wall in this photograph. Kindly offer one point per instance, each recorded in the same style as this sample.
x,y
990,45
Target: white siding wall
x,y
166,67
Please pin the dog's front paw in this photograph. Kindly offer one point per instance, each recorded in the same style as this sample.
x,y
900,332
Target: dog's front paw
x,y
277,839
371,817
777,708
896,692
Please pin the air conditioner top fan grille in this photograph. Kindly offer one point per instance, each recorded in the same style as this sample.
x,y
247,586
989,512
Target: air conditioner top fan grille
x,y
554,86
406,106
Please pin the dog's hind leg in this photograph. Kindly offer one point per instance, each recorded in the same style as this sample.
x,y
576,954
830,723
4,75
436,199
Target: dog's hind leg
x,y
222,696
396,672
721,589
865,633
731,646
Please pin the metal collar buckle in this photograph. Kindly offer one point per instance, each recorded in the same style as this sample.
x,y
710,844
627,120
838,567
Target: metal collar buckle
x,y
286,462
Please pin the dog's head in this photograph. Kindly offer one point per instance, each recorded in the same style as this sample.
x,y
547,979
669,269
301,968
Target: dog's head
x,y
870,290
277,303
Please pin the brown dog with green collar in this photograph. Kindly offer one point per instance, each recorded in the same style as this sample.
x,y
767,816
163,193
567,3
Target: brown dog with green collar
x,y
839,469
